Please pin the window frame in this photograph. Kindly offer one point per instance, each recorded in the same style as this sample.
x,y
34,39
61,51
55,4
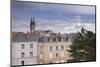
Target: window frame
x,y
57,55
31,45
51,48
57,48
62,47
22,46
22,54
31,54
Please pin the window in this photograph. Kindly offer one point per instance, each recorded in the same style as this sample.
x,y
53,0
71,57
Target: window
x,y
22,46
54,39
62,47
56,54
59,39
56,47
22,63
31,45
50,48
22,54
67,39
31,54
48,39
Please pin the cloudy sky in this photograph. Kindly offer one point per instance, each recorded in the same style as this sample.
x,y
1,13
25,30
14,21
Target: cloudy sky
x,y
56,17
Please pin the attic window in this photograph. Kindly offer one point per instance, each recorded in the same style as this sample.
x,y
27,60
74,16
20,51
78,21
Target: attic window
x,y
48,39
59,39
66,38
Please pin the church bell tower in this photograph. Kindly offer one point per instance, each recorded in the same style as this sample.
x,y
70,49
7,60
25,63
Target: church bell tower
x,y
32,25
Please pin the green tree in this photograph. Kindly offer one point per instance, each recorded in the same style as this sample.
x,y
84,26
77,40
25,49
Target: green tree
x,y
83,46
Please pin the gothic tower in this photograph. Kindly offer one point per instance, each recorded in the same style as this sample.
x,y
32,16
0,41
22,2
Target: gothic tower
x,y
32,25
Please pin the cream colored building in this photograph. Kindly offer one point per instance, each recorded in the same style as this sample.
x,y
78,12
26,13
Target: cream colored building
x,y
53,51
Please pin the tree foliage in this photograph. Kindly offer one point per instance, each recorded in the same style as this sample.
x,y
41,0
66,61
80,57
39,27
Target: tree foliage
x,y
83,46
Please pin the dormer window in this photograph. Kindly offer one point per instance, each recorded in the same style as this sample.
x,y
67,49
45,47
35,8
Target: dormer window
x,y
66,38
48,39
59,39
54,39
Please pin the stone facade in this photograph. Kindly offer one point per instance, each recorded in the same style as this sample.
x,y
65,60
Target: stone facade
x,y
53,52
24,53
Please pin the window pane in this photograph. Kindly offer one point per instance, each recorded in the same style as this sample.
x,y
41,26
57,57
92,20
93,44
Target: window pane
x,y
56,47
67,39
31,54
50,48
31,45
59,39
56,54
22,54
48,39
62,47
22,46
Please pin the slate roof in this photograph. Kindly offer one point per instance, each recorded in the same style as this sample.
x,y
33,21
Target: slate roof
x,y
53,37
23,37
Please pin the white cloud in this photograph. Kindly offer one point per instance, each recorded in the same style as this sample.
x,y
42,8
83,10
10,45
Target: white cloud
x,y
70,26
19,26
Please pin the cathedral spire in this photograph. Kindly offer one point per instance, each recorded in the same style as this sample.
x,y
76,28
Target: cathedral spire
x,y
32,25
31,19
